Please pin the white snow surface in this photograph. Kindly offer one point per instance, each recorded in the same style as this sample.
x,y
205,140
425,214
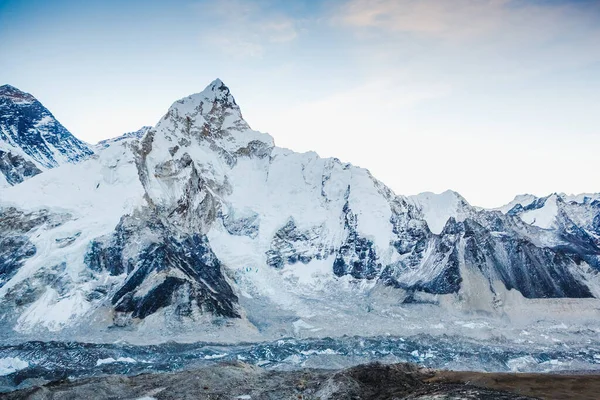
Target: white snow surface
x,y
438,208
542,217
3,182
9,365
53,311
95,193
111,360
102,188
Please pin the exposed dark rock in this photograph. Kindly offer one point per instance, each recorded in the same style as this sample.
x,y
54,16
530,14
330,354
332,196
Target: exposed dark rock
x,y
535,271
357,256
246,225
291,245
255,148
15,246
169,270
27,125
16,168
14,250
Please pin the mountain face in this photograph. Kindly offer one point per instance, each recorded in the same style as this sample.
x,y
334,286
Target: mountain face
x,y
203,225
31,139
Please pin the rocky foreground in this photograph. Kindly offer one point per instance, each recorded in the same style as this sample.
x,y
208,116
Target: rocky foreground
x,y
371,381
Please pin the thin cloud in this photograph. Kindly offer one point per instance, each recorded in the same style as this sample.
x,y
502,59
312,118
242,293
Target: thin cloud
x,y
473,39
245,28
279,30
467,19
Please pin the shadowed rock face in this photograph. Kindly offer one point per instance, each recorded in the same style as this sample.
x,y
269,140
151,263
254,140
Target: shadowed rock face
x,y
537,272
291,244
171,269
242,381
193,278
16,168
31,139
496,250
15,246
357,256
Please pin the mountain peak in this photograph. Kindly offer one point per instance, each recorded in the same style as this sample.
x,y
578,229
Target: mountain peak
x,y
15,95
213,115
217,90
214,106
31,139
216,83
215,93
8,88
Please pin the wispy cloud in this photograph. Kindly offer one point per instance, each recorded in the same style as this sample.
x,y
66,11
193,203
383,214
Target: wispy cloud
x,y
475,39
470,19
245,28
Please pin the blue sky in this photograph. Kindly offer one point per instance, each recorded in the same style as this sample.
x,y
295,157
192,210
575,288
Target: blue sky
x,y
487,97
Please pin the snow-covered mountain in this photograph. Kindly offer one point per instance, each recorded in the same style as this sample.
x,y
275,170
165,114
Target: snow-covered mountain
x,y
31,139
205,229
136,135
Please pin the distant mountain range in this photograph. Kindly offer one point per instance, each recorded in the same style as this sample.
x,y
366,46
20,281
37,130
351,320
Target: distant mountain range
x,y
202,227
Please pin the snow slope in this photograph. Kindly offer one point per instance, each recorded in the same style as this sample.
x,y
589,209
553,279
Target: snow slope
x,y
86,200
